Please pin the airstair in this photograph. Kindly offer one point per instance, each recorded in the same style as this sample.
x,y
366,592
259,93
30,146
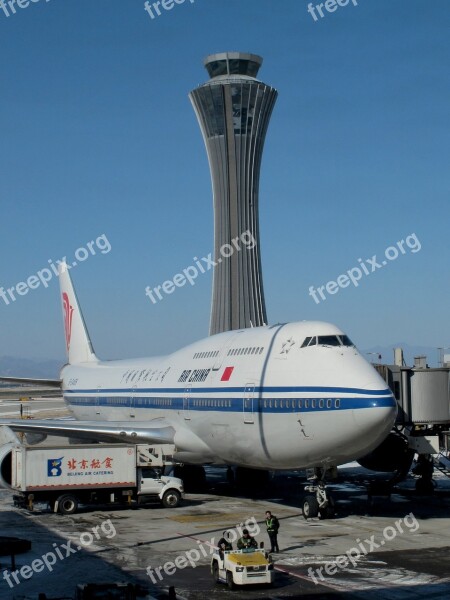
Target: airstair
x,y
442,463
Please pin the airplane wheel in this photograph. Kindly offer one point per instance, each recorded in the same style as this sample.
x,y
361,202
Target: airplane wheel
x,y
67,504
230,581
310,507
329,511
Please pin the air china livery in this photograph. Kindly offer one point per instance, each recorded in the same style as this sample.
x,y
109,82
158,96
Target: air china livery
x,y
285,396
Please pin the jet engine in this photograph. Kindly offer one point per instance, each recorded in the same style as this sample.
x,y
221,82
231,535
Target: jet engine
x,y
392,455
6,465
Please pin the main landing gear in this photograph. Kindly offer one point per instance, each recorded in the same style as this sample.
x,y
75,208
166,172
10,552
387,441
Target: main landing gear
x,y
319,502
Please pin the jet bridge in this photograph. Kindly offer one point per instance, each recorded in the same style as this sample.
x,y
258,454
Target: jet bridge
x,y
423,397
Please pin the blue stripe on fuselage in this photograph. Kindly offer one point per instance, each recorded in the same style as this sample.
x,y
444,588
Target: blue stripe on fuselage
x,y
256,405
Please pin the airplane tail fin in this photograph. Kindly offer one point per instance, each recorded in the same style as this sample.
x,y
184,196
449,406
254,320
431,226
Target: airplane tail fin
x,y
78,344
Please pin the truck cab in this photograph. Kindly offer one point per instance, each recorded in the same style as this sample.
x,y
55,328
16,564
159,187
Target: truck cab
x,y
152,483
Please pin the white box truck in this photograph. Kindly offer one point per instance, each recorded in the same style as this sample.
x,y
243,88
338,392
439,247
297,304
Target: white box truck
x,y
66,476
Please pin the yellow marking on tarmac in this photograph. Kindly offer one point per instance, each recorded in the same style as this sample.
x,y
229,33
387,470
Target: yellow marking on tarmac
x,y
210,517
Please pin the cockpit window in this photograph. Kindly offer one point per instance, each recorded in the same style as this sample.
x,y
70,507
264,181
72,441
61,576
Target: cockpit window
x,y
346,341
328,340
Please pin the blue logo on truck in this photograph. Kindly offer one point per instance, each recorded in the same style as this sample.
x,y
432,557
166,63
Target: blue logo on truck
x,y
54,467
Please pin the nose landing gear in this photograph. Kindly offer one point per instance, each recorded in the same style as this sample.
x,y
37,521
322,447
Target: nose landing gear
x,y
319,502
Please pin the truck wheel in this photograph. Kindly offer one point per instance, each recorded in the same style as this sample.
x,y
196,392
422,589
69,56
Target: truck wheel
x,y
215,572
67,504
171,499
310,507
230,581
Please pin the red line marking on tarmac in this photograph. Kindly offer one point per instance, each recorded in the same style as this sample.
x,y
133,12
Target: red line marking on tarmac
x,y
329,585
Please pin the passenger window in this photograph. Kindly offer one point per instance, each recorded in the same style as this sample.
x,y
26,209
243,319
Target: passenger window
x,y
321,403
306,403
313,403
328,403
337,402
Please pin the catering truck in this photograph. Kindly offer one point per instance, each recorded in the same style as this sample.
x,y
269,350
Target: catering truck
x,y
66,476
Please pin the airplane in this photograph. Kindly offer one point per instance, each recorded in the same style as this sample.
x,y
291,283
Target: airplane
x,y
287,396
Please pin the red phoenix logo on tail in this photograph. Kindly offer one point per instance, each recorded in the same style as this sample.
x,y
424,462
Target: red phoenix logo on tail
x,y
68,312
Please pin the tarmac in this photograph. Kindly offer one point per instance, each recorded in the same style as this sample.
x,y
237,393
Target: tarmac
x,y
394,549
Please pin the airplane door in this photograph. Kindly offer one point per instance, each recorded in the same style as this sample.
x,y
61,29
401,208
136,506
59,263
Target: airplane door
x,y
186,401
133,402
97,400
247,404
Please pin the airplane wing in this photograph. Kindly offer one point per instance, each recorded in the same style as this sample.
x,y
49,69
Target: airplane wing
x,y
53,383
157,431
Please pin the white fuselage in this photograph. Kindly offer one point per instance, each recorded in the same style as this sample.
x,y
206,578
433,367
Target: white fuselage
x,y
253,398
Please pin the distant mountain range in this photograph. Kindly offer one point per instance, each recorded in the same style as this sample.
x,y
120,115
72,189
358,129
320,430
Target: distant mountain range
x,y
49,369
24,367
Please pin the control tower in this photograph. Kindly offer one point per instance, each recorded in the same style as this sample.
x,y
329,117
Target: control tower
x,y
233,109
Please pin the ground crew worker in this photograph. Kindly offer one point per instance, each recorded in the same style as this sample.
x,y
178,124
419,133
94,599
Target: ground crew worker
x,y
224,544
273,526
246,541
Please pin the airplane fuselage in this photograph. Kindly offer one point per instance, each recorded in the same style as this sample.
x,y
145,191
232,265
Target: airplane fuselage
x,y
260,397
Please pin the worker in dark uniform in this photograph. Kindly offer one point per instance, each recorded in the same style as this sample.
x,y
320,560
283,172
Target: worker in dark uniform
x,y
246,541
272,526
223,544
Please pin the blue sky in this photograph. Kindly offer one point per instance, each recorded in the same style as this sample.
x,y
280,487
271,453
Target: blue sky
x,y
99,137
